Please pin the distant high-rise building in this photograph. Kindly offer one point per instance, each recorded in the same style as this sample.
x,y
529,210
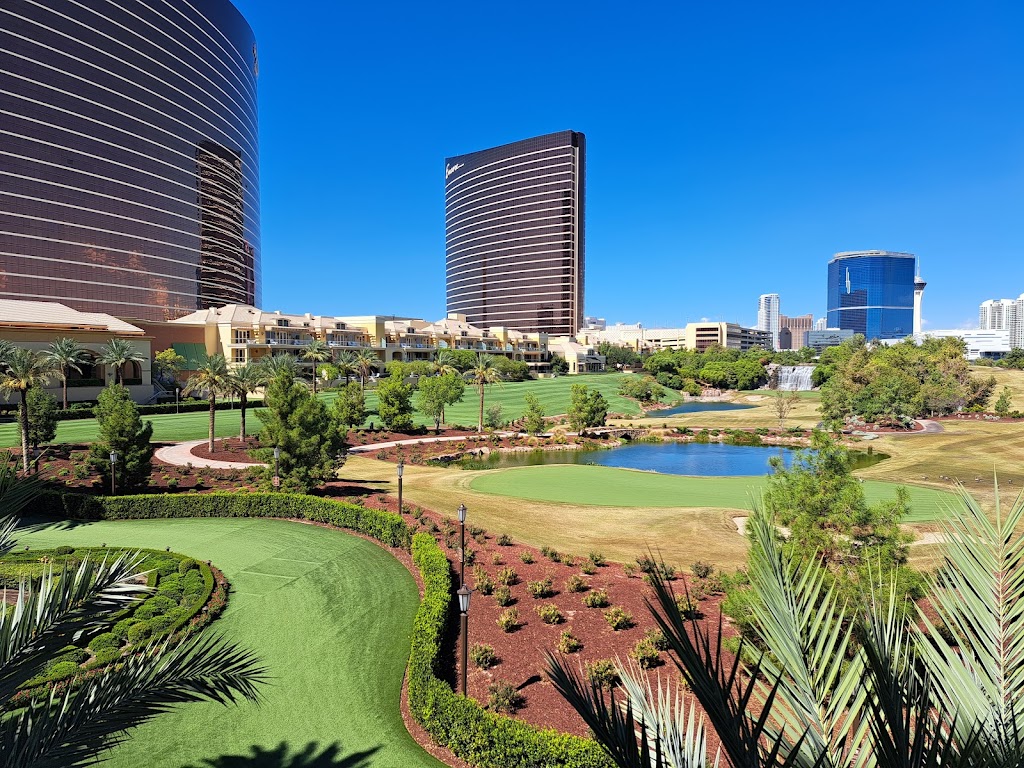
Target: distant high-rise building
x,y
820,324
768,316
514,234
1004,315
872,293
595,323
797,328
919,286
129,162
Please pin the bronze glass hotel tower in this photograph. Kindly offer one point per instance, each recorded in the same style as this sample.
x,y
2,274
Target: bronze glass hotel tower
x,y
129,169
514,234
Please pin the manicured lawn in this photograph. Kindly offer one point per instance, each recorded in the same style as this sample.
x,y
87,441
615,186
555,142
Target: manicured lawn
x,y
607,486
331,616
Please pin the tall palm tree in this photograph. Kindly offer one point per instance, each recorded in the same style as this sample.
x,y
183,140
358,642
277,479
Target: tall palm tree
x,y
5,350
66,355
244,380
443,363
316,352
118,353
23,369
366,362
212,377
272,365
480,375
346,362
77,727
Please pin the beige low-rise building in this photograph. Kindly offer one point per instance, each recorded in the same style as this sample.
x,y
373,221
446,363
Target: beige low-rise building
x,y
582,358
36,324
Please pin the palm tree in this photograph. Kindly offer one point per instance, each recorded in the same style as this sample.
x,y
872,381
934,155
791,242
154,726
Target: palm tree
x,y
118,353
905,697
23,369
272,365
76,727
316,352
245,380
480,375
211,376
346,363
66,355
5,350
365,362
443,363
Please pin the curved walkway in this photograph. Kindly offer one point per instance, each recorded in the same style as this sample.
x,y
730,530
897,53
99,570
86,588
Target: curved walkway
x,y
181,454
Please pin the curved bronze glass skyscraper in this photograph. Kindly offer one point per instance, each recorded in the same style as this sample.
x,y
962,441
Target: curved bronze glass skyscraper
x,y
514,234
129,170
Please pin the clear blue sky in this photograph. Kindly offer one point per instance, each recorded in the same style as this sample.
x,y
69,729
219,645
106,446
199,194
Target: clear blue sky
x,y
733,147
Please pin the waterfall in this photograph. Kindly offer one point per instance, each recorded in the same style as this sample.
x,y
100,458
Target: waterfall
x,y
796,377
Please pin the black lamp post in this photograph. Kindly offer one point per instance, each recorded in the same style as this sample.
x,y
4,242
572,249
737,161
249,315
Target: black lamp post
x,y
401,471
177,404
462,547
277,459
113,473
464,594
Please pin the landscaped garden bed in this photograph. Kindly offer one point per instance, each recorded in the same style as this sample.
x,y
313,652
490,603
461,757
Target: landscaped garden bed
x,y
230,449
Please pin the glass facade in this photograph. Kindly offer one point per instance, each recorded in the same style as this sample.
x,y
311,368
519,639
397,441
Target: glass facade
x,y
872,293
129,167
514,239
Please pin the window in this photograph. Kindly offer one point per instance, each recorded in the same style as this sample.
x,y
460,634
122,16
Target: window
x,y
282,323
239,356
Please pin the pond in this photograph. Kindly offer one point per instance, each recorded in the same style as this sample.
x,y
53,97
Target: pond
x,y
670,458
697,408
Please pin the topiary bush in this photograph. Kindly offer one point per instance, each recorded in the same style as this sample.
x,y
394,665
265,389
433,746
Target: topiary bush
x,y
139,632
104,640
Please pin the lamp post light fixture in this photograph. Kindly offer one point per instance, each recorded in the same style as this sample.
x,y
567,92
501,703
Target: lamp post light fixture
x,y
277,461
401,471
464,594
462,545
177,403
113,473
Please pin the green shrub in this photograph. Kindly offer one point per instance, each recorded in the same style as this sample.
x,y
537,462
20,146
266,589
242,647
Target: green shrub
x,y
64,550
120,629
618,618
507,576
541,588
69,653
702,569
575,584
629,570
482,582
186,565
104,640
155,606
645,654
139,632
508,620
569,643
550,553
526,556
504,540
504,698
602,673
596,558
588,568
646,564
657,638
483,655
61,671
549,613
503,596
104,657
688,607
598,598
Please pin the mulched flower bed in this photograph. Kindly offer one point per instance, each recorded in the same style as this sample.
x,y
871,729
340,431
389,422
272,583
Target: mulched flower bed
x,y
370,437
521,654
229,449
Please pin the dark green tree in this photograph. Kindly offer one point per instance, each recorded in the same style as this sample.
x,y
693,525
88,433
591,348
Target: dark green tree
x,y
587,407
618,356
42,417
646,389
533,419
1003,402
350,406
394,404
436,393
306,433
122,430
559,364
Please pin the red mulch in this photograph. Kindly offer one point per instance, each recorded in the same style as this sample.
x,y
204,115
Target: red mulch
x,y
229,449
522,652
367,437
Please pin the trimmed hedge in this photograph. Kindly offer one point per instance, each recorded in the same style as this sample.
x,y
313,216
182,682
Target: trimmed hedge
x,y
479,737
386,527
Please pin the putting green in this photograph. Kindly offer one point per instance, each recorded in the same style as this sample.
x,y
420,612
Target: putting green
x,y
612,487
331,616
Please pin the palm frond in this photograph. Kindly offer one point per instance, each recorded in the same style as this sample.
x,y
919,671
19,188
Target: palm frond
x,y
73,729
802,622
979,595
49,614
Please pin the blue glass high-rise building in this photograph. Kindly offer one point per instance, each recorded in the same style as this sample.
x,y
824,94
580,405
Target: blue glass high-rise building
x,y
872,293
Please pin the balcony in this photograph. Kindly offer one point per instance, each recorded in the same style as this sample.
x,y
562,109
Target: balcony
x,y
289,342
347,343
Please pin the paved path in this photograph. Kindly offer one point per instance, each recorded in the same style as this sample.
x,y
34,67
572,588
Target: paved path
x,y
181,454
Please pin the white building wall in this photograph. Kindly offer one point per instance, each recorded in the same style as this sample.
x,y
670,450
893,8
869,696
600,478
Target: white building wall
x,y
768,309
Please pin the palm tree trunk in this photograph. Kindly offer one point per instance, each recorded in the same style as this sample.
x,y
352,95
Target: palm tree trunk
x,y
243,400
64,380
23,417
213,410
480,423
